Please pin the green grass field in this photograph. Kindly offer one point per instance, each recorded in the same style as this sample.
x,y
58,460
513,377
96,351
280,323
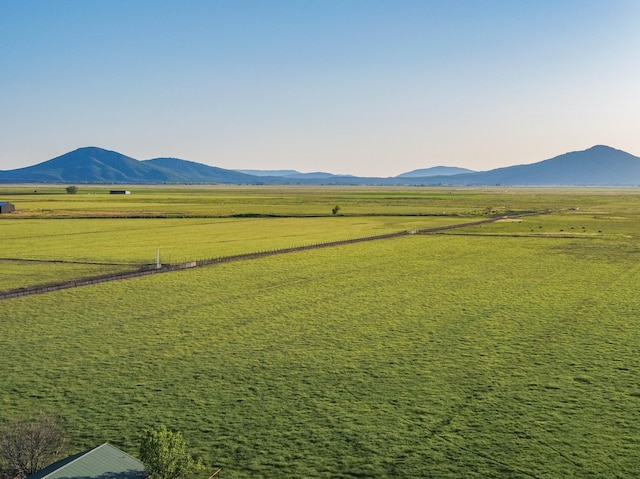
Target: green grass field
x,y
135,241
501,350
19,274
221,201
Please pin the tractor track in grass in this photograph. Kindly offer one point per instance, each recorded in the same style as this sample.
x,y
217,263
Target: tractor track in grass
x,y
145,270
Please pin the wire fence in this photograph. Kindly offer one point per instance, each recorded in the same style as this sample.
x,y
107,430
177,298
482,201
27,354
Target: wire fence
x,y
149,269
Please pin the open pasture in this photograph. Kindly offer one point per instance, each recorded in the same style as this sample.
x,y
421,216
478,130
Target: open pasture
x,y
235,201
442,356
19,274
222,201
135,241
507,350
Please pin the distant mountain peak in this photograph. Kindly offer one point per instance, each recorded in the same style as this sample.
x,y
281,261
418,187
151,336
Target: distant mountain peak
x,y
89,148
94,149
601,147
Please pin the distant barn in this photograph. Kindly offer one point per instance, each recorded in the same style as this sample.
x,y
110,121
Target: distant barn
x,y
120,192
6,207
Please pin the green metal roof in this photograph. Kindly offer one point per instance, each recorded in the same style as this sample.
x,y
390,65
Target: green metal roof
x,y
102,462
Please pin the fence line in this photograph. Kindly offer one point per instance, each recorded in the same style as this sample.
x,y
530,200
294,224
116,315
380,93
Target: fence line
x,y
146,270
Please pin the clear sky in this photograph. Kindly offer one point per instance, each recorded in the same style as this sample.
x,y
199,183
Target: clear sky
x,y
363,87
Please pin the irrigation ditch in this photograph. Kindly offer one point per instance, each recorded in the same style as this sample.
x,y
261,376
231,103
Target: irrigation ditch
x,y
149,269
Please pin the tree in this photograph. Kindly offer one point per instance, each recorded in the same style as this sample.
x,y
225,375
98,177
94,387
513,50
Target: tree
x,y
165,454
26,446
335,210
72,190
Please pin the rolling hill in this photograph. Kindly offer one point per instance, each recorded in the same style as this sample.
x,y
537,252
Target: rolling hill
x,y
597,166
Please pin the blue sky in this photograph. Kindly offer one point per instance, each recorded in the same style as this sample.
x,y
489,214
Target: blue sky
x,y
364,87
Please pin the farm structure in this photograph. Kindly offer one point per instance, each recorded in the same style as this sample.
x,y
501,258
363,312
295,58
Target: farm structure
x,y
105,461
6,207
119,192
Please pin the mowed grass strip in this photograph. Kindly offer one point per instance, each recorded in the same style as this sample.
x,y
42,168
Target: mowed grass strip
x,y
425,356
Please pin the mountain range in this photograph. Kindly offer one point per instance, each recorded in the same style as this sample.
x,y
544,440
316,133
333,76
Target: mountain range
x,y
435,171
597,166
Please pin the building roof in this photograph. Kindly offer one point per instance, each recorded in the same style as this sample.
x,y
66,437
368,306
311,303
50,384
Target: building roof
x,y
102,462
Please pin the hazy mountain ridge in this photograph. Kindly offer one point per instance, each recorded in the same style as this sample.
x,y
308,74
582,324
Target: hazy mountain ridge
x,y
435,171
597,166
292,174
280,173
199,173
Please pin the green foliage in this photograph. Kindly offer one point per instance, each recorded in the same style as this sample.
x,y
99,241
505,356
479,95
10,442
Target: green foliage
x,y
335,209
27,446
71,190
165,454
